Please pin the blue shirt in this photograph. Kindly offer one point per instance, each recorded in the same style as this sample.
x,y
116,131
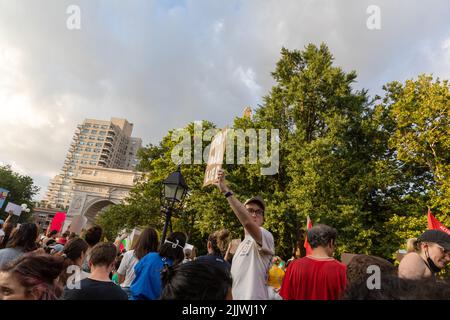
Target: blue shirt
x,y
147,283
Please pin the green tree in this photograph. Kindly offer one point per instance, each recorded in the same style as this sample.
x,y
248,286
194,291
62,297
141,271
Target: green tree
x,y
21,190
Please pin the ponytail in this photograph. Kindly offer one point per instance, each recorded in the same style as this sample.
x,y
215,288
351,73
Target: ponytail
x,y
412,245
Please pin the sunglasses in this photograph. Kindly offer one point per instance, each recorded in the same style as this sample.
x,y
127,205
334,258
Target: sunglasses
x,y
255,211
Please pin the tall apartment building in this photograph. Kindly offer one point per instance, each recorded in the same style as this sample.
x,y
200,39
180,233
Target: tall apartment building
x,y
95,143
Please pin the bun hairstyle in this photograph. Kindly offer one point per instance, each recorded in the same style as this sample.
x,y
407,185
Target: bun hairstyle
x,y
412,245
175,249
72,252
219,241
195,280
37,273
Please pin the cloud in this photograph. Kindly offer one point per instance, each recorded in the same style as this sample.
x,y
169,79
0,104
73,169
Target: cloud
x,y
161,64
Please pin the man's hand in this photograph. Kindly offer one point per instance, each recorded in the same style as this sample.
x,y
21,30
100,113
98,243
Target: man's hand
x,y
221,183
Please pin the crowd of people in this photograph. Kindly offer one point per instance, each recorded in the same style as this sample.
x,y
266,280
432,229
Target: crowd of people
x,y
67,266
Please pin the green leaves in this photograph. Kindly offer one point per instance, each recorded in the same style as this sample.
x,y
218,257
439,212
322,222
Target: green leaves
x,y
366,166
21,189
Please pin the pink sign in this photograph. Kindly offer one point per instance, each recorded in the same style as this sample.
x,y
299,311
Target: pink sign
x,y
57,222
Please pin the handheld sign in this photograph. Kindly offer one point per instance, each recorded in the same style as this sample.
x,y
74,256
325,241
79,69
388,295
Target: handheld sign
x,y
215,158
58,221
13,208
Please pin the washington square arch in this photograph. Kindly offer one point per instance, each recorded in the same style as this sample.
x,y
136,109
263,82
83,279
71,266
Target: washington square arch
x,y
96,188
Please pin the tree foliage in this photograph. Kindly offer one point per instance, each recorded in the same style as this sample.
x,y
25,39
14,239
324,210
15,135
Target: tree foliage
x,y
21,190
367,166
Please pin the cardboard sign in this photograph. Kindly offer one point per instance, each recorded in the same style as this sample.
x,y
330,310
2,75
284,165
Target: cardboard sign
x,y
78,224
215,158
13,209
3,195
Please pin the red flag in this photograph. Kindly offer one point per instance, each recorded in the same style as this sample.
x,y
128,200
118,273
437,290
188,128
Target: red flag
x,y
57,221
306,244
434,224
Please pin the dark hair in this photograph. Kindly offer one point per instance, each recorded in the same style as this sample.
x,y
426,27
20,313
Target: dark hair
x,y
93,235
37,272
219,241
66,234
357,269
103,254
147,242
195,280
72,235
53,233
321,235
394,288
25,237
72,251
167,250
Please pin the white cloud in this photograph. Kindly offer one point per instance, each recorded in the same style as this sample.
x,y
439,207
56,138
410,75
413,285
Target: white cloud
x,y
162,64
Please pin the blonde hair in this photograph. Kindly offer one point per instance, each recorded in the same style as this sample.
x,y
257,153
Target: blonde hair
x,y
412,245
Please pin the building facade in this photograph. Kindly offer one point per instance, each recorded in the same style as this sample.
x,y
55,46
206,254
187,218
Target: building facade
x,y
96,143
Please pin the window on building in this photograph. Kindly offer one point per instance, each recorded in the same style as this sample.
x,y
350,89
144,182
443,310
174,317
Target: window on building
x,y
97,150
92,137
95,126
81,143
90,144
88,150
87,125
94,131
104,127
99,144
102,133
85,131
100,138
94,156
85,156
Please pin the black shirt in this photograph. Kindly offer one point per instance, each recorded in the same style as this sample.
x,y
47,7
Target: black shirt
x,y
94,290
216,260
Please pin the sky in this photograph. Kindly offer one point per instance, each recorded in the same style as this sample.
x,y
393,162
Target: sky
x,y
162,64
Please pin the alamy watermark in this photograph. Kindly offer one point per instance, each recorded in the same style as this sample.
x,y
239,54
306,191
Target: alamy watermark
x,y
374,280
259,143
373,22
73,22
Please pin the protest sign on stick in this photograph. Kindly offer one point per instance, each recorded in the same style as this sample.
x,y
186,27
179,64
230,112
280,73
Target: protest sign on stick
x,y
13,208
215,158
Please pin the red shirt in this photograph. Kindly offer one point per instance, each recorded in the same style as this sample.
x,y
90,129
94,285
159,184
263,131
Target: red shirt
x,y
314,279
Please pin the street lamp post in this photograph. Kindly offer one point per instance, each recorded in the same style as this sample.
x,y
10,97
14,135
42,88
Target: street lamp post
x,y
174,190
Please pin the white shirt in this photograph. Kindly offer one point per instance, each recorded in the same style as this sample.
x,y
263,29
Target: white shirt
x,y
250,267
126,268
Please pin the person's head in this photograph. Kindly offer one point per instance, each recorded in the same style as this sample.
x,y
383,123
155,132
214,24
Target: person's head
x,y
31,277
93,235
391,287
72,235
73,253
434,245
147,242
218,242
103,255
24,237
322,236
173,247
361,267
276,260
196,280
52,234
256,207
65,234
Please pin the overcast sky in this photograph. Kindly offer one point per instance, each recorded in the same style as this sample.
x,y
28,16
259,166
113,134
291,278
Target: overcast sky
x,y
161,64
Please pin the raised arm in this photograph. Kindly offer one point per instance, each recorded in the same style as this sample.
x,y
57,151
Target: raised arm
x,y
239,210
